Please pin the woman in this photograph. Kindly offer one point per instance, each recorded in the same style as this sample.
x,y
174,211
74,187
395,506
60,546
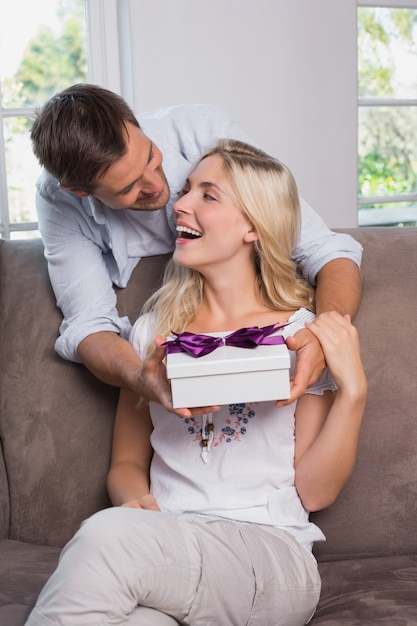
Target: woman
x,y
210,524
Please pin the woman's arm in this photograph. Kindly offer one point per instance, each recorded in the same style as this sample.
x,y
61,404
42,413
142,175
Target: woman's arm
x,y
128,478
328,426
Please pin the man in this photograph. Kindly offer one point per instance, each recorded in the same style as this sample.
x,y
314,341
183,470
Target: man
x,y
104,201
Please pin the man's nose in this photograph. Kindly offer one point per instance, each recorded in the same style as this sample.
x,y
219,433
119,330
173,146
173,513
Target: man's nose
x,y
150,180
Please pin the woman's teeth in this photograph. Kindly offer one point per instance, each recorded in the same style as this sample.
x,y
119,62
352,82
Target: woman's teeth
x,y
187,233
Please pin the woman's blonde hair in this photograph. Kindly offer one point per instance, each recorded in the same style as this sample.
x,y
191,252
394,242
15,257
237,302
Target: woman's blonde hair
x,y
267,195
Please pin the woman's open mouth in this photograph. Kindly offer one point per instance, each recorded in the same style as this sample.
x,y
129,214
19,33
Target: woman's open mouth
x,y
184,232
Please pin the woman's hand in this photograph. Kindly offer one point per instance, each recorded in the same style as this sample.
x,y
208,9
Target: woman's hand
x,y
147,502
340,343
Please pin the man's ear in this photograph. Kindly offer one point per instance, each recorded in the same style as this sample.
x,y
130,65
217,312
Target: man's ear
x,y
75,190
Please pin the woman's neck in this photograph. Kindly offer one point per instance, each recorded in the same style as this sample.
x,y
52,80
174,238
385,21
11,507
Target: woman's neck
x,y
232,302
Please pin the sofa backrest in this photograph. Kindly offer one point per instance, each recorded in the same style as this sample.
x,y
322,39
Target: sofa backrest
x,y
376,512
56,418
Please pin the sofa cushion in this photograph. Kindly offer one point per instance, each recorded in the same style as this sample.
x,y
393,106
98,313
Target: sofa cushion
x,y
359,592
24,569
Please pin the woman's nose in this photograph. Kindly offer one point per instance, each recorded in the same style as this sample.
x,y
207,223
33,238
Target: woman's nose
x,y
181,205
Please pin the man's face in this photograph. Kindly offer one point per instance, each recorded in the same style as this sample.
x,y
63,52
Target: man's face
x,y
137,180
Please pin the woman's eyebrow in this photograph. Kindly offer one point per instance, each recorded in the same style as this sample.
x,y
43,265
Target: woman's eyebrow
x,y
210,185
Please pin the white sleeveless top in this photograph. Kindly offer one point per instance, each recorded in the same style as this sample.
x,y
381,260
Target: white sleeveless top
x,y
248,473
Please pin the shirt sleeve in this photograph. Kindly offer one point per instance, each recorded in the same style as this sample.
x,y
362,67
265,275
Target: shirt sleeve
x,y
78,273
317,245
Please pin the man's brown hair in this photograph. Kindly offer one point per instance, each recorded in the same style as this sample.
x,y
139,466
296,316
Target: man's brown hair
x,y
80,133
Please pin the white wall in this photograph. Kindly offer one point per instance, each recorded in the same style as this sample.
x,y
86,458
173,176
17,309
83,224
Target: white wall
x,y
285,69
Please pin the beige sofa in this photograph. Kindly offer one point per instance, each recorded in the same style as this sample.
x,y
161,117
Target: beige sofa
x,y
56,425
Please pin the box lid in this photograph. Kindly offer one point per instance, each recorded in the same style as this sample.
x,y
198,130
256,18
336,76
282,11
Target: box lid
x,y
227,359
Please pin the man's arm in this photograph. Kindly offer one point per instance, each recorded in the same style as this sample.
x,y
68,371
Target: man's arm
x,y
114,361
111,359
339,288
75,250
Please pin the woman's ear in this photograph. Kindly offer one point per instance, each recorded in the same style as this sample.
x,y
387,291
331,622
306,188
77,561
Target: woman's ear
x,y
251,235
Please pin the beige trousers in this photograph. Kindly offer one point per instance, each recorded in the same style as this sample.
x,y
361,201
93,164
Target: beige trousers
x,y
134,567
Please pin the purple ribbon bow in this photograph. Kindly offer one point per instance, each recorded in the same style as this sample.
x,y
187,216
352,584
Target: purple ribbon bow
x,y
200,345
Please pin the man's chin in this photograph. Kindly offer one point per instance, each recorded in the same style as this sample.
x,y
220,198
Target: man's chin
x,y
148,207
152,204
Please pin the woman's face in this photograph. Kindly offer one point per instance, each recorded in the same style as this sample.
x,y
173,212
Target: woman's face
x,y
211,227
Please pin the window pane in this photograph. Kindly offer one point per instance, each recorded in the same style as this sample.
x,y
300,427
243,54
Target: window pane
x,y
42,53
388,214
387,52
387,151
22,170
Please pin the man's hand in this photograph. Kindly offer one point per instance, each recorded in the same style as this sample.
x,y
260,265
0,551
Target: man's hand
x,y
310,363
114,361
153,380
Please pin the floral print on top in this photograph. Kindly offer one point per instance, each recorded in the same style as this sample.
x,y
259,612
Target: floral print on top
x,y
234,426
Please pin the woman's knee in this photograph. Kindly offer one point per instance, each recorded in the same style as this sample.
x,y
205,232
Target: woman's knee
x,y
102,531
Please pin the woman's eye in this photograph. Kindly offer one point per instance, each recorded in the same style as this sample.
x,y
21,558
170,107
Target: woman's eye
x,y
207,196
182,193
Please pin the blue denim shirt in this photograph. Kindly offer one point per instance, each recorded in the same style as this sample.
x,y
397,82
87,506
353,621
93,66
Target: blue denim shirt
x,y
85,241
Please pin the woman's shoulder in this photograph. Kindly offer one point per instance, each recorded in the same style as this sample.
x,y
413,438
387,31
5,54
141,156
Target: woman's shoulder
x,y
142,333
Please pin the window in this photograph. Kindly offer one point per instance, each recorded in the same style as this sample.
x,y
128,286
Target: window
x,y
39,55
58,43
387,114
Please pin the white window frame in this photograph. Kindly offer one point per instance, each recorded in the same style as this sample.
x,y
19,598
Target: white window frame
x,y
109,65
394,215
108,45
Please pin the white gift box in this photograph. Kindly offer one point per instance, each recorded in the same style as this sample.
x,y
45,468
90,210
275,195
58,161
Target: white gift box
x,y
229,375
